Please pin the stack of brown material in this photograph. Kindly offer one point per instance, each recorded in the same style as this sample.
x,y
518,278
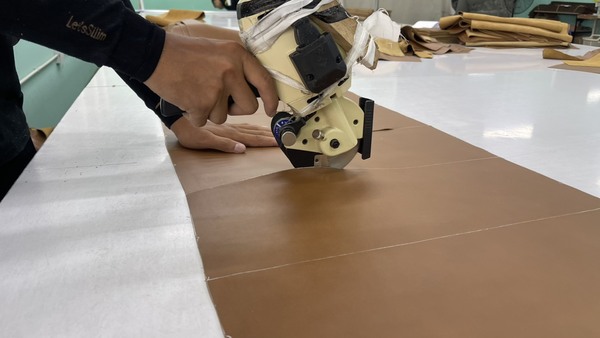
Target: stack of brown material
x,y
411,48
415,45
492,31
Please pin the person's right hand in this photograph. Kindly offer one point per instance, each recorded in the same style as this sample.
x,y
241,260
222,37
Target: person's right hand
x,y
198,75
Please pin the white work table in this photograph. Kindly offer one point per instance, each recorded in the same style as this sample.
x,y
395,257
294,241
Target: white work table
x,y
96,237
506,101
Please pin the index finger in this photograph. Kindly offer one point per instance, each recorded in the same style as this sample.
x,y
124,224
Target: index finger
x,y
260,78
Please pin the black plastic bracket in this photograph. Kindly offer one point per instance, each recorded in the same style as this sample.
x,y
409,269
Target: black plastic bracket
x,y
317,58
368,107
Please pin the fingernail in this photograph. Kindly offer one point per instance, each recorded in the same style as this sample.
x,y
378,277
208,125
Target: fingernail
x,y
239,148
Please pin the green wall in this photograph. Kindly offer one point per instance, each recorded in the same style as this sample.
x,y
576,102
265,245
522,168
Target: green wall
x,y
49,93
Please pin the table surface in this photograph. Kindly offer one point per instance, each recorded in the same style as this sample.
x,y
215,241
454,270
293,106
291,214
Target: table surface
x,y
96,235
506,101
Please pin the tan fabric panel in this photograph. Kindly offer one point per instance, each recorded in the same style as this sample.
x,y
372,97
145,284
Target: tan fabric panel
x,y
431,237
550,25
476,30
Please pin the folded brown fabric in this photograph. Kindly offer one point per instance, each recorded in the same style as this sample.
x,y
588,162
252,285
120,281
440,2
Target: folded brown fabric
x,y
552,54
175,15
474,29
466,18
395,51
588,62
421,42
415,44
439,35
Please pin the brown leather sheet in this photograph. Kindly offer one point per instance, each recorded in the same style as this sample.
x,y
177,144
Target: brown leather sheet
x,y
432,237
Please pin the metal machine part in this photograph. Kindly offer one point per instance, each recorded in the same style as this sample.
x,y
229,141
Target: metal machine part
x,y
291,133
317,58
309,67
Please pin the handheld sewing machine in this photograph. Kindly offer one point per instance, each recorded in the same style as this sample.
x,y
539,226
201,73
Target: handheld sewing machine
x,y
310,47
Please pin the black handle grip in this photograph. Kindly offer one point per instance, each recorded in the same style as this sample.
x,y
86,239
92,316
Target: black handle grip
x,y
168,109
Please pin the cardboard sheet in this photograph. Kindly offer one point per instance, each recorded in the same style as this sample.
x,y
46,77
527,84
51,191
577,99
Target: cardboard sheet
x,y
431,237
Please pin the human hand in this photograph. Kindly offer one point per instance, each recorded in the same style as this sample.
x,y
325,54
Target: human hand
x,y
229,138
218,4
198,75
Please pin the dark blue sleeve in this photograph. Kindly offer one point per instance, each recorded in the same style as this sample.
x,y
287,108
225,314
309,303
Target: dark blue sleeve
x,y
105,32
150,99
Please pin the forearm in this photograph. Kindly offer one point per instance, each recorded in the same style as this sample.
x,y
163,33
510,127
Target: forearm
x,y
105,32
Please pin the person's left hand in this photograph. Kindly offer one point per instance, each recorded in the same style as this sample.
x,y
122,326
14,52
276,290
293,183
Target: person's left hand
x,y
229,138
